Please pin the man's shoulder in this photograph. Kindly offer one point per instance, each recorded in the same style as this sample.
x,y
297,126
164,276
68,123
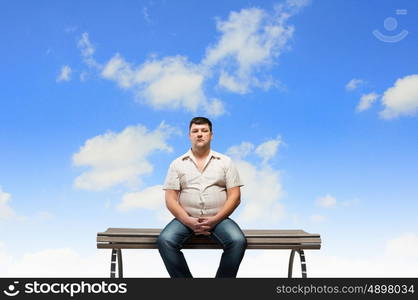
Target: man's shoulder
x,y
180,159
225,159
220,155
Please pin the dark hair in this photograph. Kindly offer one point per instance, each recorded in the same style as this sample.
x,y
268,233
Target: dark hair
x,y
200,121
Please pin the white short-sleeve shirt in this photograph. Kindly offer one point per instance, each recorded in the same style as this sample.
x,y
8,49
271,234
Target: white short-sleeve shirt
x,y
202,193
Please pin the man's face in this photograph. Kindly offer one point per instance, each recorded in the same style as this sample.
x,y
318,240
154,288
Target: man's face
x,y
200,135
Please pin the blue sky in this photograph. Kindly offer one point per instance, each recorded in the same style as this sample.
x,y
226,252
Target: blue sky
x,y
317,111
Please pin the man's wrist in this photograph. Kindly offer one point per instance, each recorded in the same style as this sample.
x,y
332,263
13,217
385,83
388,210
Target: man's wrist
x,y
218,218
184,220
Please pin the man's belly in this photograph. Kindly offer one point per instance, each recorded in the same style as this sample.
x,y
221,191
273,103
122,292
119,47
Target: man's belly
x,y
205,204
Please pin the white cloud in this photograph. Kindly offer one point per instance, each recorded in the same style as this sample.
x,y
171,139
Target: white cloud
x,y
268,149
65,74
66,262
215,107
399,258
87,50
6,212
151,198
353,84
86,47
232,84
251,40
260,195
326,264
262,184
327,201
366,101
297,4
171,82
146,14
117,158
265,151
402,98
119,70
240,151
405,245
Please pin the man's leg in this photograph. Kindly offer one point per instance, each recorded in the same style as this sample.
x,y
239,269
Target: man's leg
x,y
233,241
170,242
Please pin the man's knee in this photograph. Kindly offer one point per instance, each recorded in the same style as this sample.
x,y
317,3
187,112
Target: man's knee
x,y
164,240
237,241
240,241
167,239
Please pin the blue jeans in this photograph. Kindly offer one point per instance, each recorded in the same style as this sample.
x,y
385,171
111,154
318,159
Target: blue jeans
x,y
227,233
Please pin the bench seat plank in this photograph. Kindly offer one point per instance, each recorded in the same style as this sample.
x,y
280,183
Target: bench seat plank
x,y
208,246
145,238
247,232
250,240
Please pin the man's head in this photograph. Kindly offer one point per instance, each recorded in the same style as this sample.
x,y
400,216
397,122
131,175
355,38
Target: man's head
x,y
200,121
200,132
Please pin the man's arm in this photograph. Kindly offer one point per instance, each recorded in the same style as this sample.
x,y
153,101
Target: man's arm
x,y
171,200
232,202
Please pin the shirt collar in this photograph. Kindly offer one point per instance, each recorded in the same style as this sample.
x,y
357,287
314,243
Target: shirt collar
x,y
189,154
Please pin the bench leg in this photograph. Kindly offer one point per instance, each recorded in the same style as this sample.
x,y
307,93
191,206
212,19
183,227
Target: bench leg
x,y
116,254
302,262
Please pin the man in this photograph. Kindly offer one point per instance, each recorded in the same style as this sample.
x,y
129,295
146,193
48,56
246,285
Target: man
x,y
202,189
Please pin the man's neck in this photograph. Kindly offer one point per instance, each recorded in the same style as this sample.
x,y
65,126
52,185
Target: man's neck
x,y
200,153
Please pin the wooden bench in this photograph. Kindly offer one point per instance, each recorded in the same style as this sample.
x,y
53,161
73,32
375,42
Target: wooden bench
x,y
145,238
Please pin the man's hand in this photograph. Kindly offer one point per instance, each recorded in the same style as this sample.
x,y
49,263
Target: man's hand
x,y
196,226
207,223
